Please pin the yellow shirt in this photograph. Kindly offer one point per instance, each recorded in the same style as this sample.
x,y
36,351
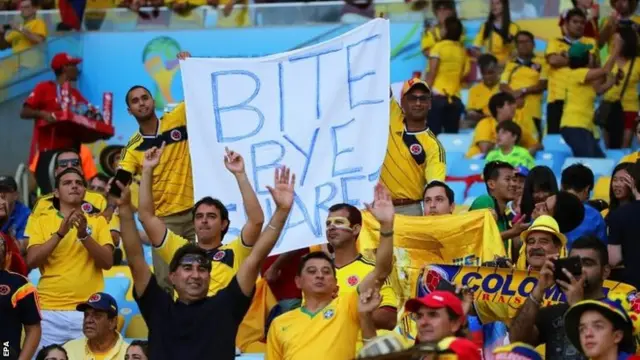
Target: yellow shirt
x,y
20,42
350,275
431,36
78,349
239,17
479,96
631,158
485,131
70,275
519,74
630,100
330,333
405,173
578,104
172,181
494,44
557,76
225,260
453,64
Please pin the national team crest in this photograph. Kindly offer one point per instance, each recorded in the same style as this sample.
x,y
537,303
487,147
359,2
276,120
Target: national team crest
x,y
218,256
4,289
95,298
634,302
353,280
416,149
175,135
86,207
328,314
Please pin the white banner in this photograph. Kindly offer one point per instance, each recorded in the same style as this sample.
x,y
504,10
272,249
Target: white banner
x,y
322,110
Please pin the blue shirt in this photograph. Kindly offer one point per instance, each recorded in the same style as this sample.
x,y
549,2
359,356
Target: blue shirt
x,y
17,221
592,224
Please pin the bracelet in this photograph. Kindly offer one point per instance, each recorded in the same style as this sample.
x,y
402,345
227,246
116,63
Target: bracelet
x,y
534,300
272,227
83,238
386,234
59,235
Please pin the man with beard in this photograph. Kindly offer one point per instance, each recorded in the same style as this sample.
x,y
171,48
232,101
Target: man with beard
x,y
535,325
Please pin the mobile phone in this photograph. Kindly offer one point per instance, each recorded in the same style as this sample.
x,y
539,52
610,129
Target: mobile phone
x,y
6,27
124,177
573,264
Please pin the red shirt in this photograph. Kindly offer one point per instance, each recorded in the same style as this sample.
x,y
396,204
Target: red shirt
x,y
285,287
46,97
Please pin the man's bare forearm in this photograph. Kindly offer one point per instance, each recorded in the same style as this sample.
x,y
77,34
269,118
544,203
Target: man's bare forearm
x,y
522,327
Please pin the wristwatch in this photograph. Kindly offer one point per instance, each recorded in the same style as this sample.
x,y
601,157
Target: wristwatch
x,y
87,236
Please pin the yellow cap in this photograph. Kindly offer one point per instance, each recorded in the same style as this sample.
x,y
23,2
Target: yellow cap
x,y
545,223
410,84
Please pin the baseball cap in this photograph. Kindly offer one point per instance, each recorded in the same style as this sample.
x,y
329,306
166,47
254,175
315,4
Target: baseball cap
x,y
458,348
579,50
100,301
63,59
7,183
415,82
436,300
522,171
516,350
610,309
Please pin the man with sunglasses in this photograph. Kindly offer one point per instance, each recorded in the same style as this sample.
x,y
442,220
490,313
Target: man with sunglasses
x,y
414,157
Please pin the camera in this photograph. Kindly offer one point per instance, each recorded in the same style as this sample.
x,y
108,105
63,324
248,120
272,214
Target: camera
x,y
6,27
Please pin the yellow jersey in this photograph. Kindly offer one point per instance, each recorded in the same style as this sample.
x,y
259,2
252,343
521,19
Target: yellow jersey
x,y
350,275
631,158
578,104
557,76
453,64
412,159
479,96
19,42
225,260
431,36
495,45
519,74
172,181
485,131
629,100
70,275
78,349
330,333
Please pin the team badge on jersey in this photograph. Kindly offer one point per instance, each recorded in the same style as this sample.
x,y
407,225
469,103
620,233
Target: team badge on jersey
x,y
634,302
353,280
86,207
175,135
218,256
4,289
416,149
328,314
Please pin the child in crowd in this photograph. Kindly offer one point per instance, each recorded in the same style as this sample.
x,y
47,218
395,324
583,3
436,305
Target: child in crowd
x,y
503,108
508,135
479,94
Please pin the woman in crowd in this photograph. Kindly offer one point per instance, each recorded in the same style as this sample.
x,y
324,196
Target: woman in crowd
x,y
448,64
52,352
496,35
138,350
620,189
623,96
540,184
601,330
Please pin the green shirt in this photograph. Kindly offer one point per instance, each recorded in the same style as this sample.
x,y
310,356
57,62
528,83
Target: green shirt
x,y
488,202
518,156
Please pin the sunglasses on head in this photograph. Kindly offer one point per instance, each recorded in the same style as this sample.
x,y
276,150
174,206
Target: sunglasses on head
x,y
68,163
194,259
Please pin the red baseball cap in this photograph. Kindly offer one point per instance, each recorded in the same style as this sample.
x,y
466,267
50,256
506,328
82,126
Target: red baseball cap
x,y
63,59
458,348
436,300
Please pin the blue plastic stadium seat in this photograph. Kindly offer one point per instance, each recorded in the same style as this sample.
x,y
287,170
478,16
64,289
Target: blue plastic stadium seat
x,y
600,167
117,287
454,156
456,142
555,143
550,164
458,188
477,189
555,158
466,167
616,154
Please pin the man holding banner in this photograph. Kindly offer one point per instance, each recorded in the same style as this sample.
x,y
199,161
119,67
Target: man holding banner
x,y
414,156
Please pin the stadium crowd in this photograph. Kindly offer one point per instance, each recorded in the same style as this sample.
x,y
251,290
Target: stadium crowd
x,y
334,301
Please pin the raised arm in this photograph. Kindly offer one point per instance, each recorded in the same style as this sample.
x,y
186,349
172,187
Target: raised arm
x,y
255,217
131,242
382,209
153,225
282,194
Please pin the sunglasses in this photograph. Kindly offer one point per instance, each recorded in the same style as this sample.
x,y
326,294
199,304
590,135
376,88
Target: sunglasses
x,y
68,163
192,259
422,98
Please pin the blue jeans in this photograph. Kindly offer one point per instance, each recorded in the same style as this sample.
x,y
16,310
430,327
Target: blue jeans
x,y
582,142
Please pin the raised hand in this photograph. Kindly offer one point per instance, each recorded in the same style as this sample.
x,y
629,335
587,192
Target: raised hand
x,y
370,300
282,190
382,207
125,193
182,55
233,161
152,157
67,223
80,223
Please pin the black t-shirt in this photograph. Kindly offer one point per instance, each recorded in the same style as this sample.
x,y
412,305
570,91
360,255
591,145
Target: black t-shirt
x,y
550,324
624,228
202,330
15,287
